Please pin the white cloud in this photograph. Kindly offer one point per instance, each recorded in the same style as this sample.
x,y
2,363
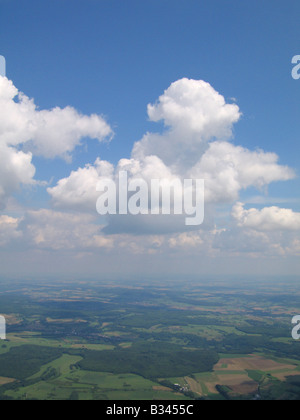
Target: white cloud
x,y
271,232
267,219
78,191
135,245
59,131
186,240
25,130
50,133
194,106
196,116
194,144
16,168
228,169
64,231
9,229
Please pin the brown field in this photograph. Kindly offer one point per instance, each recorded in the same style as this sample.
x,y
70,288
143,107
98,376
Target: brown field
x,y
245,388
239,384
252,363
65,321
4,381
283,375
194,386
160,388
211,387
235,376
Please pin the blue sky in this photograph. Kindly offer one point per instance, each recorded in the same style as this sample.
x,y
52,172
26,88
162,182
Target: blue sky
x,y
114,57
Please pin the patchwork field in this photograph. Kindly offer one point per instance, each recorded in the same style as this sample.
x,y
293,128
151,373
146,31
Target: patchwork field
x,y
242,375
110,342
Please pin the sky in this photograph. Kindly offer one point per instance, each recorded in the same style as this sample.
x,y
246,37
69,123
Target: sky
x,y
163,89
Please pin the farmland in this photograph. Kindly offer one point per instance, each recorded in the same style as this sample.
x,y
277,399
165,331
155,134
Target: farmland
x,y
166,341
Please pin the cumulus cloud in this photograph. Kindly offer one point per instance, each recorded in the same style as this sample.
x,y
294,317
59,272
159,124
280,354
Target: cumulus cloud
x,y
267,219
64,231
269,232
237,241
186,240
59,131
228,169
78,191
193,113
9,229
49,133
25,130
195,145
194,106
16,168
